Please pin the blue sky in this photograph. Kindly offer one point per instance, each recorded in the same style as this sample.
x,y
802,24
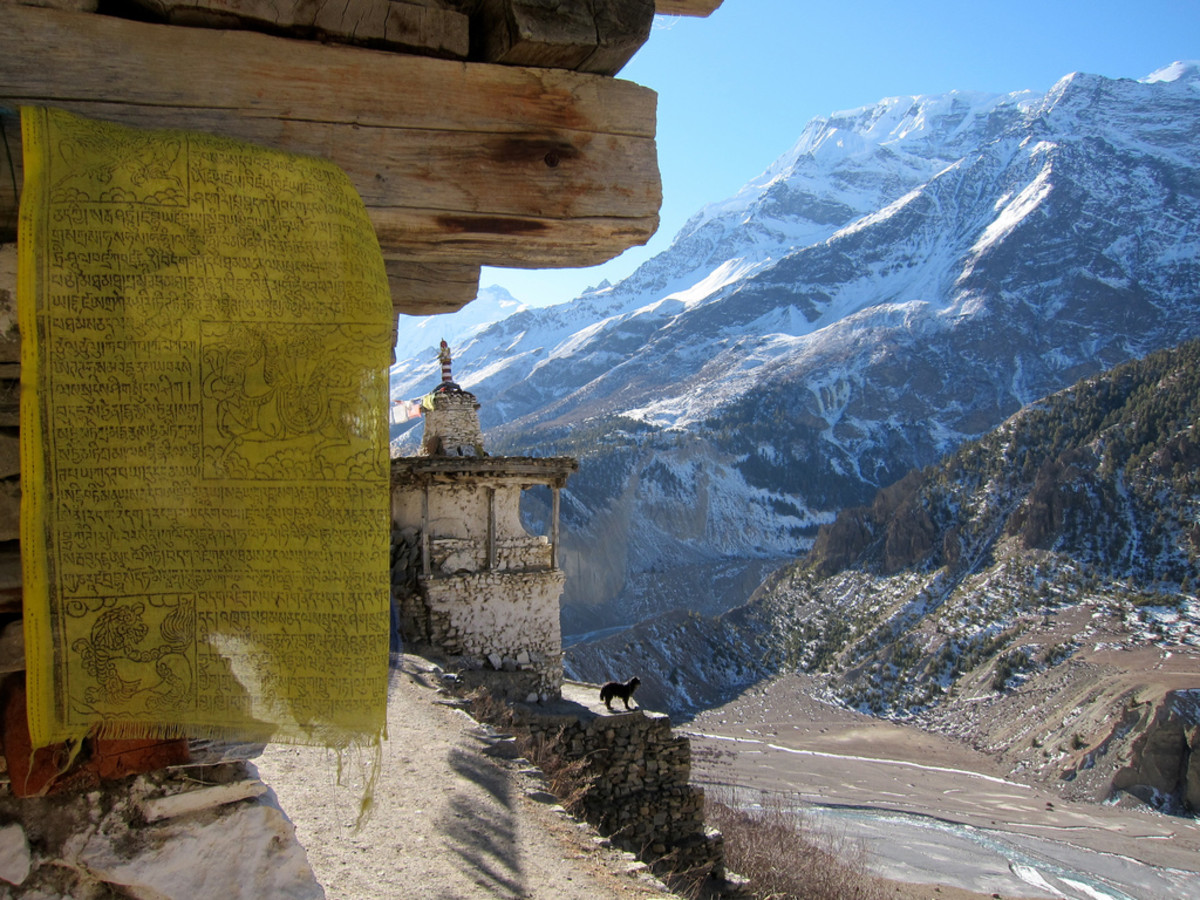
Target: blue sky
x,y
736,89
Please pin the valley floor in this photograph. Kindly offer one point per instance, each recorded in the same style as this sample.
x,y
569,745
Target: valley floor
x,y
928,809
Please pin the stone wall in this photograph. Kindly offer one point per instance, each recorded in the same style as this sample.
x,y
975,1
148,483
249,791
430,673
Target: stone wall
x,y
454,556
452,426
498,629
641,796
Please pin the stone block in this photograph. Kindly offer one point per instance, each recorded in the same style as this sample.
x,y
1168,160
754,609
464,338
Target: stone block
x,y
243,851
15,858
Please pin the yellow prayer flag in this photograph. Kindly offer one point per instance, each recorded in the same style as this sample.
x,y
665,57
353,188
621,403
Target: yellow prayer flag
x,y
206,333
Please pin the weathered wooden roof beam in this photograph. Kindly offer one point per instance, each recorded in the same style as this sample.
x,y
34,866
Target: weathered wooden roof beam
x,y
581,34
418,27
685,7
458,163
426,289
525,470
597,36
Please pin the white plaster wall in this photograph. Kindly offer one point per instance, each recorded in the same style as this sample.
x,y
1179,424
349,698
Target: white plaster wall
x,y
461,511
455,511
458,511
406,508
508,513
511,617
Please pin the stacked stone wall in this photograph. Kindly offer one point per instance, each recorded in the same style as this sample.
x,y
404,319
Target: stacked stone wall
x,y
450,556
499,629
452,426
640,796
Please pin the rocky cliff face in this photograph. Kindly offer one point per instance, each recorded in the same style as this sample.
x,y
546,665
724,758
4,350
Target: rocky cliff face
x,y
902,280
1164,762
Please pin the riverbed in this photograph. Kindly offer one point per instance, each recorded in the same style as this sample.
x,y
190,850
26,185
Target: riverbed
x,y
928,810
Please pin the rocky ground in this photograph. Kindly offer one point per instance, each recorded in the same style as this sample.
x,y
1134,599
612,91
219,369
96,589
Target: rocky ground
x,y
452,819
1078,727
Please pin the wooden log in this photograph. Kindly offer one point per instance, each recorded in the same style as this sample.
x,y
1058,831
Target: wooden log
x,y
189,802
10,396
10,338
622,26
390,24
582,35
11,578
464,236
426,289
10,173
436,181
10,453
457,162
685,7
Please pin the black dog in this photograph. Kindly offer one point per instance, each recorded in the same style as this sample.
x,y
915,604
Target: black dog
x,y
615,689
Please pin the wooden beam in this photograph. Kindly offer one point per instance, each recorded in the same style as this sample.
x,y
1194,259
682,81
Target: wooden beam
x,y
10,337
393,24
426,289
570,34
10,172
685,7
426,568
457,162
555,508
491,528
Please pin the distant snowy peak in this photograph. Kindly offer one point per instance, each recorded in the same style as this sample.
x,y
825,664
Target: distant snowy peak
x,y
1187,70
914,118
418,336
817,187
909,138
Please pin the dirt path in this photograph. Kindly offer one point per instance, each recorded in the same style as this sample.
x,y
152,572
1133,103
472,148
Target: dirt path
x,y
450,821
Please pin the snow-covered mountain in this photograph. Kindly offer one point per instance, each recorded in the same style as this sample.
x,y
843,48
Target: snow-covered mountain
x,y
903,279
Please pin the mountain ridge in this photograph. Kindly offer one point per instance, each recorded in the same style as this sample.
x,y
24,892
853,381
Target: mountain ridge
x,y
1049,567
901,281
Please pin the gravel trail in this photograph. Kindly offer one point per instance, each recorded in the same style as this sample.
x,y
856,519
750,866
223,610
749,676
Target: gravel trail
x,y
449,822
